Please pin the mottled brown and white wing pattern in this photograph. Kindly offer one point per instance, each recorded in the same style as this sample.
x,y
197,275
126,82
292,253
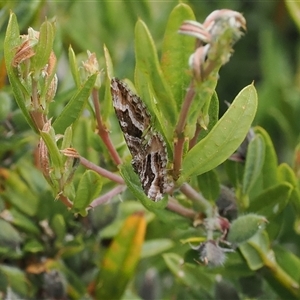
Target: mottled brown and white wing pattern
x,y
147,147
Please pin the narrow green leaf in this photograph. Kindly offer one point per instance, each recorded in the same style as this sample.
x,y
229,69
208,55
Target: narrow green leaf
x,y
11,41
44,46
73,66
108,62
269,170
272,200
294,11
286,173
288,261
133,183
54,153
22,222
155,247
107,102
89,187
148,96
176,50
67,139
224,138
15,189
192,276
170,217
121,258
75,106
213,113
58,226
147,62
254,163
199,110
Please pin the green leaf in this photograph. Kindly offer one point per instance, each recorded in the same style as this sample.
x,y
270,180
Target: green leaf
x,y
58,225
15,189
199,110
24,223
294,11
147,94
107,102
272,200
133,183
33,246
147,63
286,173
44,47
192,276
54,153
224,138
170,217
257,253
67,139
255,250
155,247
15,278
213,113
176,50
288,261
245,227
12,40
73,66
9,236
254,163
269,170
75,106
88,189
120,260
209,185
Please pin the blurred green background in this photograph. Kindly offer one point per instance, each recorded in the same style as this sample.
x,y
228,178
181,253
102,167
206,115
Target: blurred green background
x,y
268,54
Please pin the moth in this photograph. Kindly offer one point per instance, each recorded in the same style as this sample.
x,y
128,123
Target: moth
x,y
147,146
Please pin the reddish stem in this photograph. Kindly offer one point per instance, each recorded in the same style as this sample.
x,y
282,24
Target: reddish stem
x,y
103,172
102,130
174,206
194,140
108,196
179,131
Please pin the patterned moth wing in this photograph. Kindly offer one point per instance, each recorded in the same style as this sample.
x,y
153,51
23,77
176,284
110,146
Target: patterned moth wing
x,y
146,146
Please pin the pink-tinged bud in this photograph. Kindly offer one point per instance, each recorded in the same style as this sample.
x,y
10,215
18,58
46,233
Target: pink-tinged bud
x,y
233,18
91,66
44,162
24,52
26,49
195,29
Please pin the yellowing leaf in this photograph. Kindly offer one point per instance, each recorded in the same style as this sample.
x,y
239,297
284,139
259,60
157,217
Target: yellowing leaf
x,y
121,258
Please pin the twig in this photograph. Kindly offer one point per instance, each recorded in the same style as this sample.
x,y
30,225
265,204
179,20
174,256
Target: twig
x,y
198,199
108,196
193,141
65,200
174,206
179,131
102,130
101,171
